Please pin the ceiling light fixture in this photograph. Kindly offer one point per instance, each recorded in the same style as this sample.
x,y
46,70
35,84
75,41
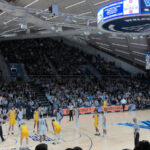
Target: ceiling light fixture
x,y
122,51
119,45
89,12
2,13
70,6
101,2
139,60
31,3
24,7
138,53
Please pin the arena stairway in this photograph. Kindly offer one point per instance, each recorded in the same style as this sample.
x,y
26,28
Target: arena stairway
x,y
91,68
25,75
52,66
40,94
5,70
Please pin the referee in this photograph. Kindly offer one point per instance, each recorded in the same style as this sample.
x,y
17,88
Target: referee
x,y
123,102
70,112
1,130
136,132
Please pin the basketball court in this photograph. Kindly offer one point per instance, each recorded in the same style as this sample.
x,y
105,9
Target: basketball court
x,y
119,136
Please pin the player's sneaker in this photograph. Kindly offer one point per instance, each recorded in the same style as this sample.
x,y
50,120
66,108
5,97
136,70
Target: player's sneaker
x,y
54,143
3,140
33,131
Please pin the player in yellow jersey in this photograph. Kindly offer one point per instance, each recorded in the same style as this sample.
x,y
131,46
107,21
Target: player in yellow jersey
x,y
57,131
12,120
96,122
36,119
24,133
105,106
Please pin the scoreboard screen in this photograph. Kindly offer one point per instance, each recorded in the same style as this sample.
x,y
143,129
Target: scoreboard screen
x,y
123,8
147,61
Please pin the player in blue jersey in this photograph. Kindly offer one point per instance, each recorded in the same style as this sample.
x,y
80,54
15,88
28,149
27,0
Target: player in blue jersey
x,y
76,113
104,125
132,110
99,109
42,125
20,118
59,115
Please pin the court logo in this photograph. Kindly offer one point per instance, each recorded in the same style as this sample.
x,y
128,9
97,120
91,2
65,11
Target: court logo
x,y
143,124
147,3
36,138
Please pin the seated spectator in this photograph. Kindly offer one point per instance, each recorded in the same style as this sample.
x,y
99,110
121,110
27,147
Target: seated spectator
x,y
143,145
41,147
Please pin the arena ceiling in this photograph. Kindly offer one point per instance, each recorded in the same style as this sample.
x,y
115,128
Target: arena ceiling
x,y
76,19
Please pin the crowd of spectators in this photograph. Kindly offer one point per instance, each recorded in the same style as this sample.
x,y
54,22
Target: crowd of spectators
x,y
66,59
72,86
29,52
106,68
93,92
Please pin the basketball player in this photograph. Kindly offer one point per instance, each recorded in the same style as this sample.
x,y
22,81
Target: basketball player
x,y
20,118
12,120
104,125
24,134
36,119
70,112
132,110
136,132
42,125
99,109
105,106
57,131
59,116
96,121
4,111
76,113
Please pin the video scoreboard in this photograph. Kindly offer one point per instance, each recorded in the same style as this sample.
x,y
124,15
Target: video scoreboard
x,y
123,8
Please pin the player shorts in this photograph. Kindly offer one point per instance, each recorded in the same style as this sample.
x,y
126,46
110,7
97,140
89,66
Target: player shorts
x,y
36,120
20,122
96,124
57,131
12,122
42,131
24,135
104,127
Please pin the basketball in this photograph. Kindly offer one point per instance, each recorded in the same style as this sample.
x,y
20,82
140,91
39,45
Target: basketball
x,y
5,117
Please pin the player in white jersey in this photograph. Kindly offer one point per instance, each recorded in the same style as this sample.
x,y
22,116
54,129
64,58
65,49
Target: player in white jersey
x,y
132,110
20,118
99,109
104,125
76,113
59,116
42,125
4,111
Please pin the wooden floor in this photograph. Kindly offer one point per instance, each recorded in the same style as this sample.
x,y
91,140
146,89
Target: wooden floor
x,y
118,138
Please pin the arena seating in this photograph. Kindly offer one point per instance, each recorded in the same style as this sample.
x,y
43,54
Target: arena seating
x,y
73,86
